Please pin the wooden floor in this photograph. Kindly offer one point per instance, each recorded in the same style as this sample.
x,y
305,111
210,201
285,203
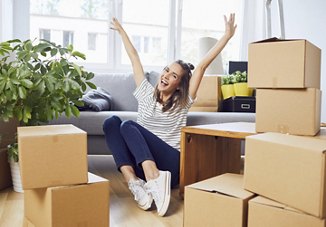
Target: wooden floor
x,y
123,209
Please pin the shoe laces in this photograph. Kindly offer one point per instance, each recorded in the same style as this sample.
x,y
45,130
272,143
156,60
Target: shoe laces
x,y
154,190
136,187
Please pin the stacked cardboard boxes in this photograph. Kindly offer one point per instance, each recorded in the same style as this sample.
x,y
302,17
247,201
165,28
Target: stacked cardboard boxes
x,y
286,165
286,75
58,190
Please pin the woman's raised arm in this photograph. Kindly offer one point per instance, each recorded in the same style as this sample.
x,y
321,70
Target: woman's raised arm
x,y
137,67
199,71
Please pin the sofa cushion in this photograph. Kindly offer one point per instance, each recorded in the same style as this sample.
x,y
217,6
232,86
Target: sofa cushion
x,y
120,86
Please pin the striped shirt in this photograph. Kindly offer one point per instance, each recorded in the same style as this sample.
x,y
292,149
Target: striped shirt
x,y
166,125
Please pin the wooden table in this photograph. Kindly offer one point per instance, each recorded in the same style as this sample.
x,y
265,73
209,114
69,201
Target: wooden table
x,y
211,150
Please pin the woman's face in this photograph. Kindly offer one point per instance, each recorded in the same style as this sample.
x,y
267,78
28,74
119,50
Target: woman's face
x,y
170,78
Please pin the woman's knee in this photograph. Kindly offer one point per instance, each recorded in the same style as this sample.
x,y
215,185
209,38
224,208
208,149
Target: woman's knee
x,y
111,122
125,125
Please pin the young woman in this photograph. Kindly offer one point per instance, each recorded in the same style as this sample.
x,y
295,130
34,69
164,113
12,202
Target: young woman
x,y
147,151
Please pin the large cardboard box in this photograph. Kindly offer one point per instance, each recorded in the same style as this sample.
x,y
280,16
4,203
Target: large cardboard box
x,y
288,169
66,206
268,213
275,63
52,155
8,132
294,111
5,176
217,201
209,94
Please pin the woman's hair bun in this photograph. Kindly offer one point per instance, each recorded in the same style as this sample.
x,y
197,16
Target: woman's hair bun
x,y
191,66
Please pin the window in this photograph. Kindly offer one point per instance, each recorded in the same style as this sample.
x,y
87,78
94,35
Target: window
x,y
161,30
45,34
136,41
68,38
211,25
92,41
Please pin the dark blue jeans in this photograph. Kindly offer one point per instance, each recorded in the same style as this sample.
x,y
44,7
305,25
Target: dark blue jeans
x,y
131,144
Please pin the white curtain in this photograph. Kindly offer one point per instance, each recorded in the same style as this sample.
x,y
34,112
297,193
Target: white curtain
x,y
6,19
253,25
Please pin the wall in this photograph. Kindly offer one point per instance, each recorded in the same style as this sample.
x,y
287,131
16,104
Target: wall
x,y
306,20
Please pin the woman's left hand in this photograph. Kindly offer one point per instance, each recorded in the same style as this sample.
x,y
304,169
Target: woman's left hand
x,y
230,27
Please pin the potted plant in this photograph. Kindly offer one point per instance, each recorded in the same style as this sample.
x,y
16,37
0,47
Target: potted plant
x,y
240,84
38,82
227,86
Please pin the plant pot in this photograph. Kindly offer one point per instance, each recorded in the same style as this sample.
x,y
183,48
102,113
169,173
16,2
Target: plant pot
x,y
227,90
242,89
15,174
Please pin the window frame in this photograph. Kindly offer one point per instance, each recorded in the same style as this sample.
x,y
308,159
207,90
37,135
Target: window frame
x,y
21,7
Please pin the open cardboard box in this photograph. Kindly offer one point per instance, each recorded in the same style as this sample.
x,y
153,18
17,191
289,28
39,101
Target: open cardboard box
x,y
217,201
275,63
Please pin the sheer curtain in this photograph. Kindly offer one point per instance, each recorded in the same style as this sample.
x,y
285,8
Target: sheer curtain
x,y
6,19
253,25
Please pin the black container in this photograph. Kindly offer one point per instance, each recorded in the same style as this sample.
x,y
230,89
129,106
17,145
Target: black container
x,y
239,104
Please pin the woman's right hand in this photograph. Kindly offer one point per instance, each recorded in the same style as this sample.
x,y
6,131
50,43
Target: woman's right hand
x,y
115,25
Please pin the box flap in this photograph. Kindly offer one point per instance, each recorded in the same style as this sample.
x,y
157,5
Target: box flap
x,y
92,178
46,130
314,144
227,184
265,201
275,39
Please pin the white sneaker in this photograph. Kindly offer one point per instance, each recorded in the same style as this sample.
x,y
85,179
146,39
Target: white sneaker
x,y
160,188
142,197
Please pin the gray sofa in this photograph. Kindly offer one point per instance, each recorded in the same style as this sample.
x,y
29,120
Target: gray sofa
x,y
123,104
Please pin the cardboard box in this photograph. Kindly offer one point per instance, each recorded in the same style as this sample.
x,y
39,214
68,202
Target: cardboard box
x,y
268,213
217,201
52,155
288,169
66,206
294,111
5,176
8,132
209,94
275,63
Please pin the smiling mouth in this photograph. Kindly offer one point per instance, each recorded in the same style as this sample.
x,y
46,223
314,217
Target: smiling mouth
x,y
164,83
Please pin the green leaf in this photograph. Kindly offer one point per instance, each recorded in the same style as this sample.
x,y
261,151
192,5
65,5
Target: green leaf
x,y
70,47
91,85
77,69
26,83
54,52
68,111
90,76
2,85
22,92
75,111
66,86
78,54
28,45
